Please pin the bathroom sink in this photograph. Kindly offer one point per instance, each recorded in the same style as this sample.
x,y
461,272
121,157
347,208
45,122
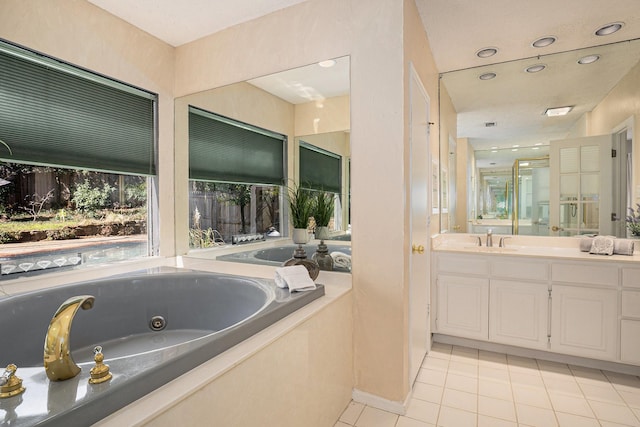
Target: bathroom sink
x,y
490,249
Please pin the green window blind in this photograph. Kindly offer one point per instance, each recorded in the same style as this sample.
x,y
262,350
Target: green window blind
x,y
221,149
56,114
320,169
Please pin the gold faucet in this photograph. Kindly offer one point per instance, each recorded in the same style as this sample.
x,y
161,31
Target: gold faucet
x,y
58,362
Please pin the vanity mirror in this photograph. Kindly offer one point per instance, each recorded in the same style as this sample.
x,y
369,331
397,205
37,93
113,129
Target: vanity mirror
x,y
523,166
236,195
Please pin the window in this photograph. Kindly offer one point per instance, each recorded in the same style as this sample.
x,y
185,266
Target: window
x,y
78,165
236,174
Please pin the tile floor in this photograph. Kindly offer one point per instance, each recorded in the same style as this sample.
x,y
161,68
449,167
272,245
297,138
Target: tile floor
x,y
464,387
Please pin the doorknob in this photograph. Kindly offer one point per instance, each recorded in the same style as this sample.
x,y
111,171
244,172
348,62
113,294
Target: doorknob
x,y
556,228
417,248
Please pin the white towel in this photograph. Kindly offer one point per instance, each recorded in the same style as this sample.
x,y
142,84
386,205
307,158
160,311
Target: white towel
x,y
341,259
294,277
623,246
602,245
585,243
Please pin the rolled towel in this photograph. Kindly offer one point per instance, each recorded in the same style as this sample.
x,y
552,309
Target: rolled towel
x,y
294,277
341,259
623,246
585,244
602,245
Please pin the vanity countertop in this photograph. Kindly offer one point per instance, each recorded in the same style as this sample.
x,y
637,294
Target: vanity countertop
x,y
566,248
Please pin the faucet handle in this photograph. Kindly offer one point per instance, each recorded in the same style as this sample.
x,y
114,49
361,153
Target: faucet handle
x,y
10,384
100,372
502,239
479,240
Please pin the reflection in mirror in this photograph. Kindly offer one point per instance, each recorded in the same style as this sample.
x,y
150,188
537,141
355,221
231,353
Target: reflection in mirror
x,y
504,122
249,140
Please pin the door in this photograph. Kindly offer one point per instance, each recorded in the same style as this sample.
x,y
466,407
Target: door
x,y
420,206
581,187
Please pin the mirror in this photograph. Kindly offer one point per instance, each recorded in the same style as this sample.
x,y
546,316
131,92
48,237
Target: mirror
x,y
306,106
493,122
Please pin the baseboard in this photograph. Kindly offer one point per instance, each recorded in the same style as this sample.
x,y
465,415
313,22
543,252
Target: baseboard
x,y
539,354
378,402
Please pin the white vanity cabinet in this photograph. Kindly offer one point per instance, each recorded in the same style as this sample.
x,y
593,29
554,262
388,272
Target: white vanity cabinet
x,y
462,296
586,308
630,319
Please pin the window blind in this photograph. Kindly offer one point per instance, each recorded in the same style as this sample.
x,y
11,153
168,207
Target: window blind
x,y
53,113
320,169
221,149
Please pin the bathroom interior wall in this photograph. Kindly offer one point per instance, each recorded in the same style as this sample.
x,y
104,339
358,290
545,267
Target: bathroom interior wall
x,y
329,115
618,106
82,34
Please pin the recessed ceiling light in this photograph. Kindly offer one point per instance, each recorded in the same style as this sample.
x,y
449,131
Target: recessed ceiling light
x,y
535,68
487,52
605,30
327,64
494,148
514,149
515,146
544,41
494,151
557,111
524,164
589,59
535,148
487,76
538,143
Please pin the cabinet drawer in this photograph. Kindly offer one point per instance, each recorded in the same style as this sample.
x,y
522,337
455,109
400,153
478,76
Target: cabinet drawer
x,y
630,341
631,277
631,304
463,264
605,275
513,269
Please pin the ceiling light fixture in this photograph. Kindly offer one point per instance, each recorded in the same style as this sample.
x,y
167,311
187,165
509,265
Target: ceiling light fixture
x,y
535,68
487,52
557,111
605,30
544,41
487,76
327,64
589,59
535,148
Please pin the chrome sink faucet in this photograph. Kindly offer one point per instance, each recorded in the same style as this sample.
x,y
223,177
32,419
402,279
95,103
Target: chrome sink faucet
x,y
489,242
57,353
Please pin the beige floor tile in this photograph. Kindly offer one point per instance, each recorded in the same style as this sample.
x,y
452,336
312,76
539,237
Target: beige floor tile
x,y
464,355
460,400
519,362
462,383
493,357
493,373
570,404
533,380
433,377
341,424
410,422
492,388
632,399
497,408
352,412
610,424
531,396
566,385
602,393
548,368
441,348
623,382
428,392
423,411
453,417
535,417
372,417
462,368
589,376
435,363
572,420
614,413
485,421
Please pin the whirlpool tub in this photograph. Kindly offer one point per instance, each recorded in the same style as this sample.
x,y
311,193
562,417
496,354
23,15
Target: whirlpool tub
x,y
153,326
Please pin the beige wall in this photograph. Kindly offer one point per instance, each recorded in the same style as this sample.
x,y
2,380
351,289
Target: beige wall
x,y
325,116
621,104
82,34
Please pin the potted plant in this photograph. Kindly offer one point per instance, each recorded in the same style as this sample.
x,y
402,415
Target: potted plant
x,y
633,221
322,211
300,207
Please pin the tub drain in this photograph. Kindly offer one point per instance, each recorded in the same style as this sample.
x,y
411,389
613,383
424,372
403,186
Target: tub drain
x,y
157,323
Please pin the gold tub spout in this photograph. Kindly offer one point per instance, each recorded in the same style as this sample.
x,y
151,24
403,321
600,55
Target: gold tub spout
x,y
57,353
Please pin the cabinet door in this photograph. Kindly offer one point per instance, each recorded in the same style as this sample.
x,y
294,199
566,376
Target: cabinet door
x,y
584,321
463,306
519,313
630,341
